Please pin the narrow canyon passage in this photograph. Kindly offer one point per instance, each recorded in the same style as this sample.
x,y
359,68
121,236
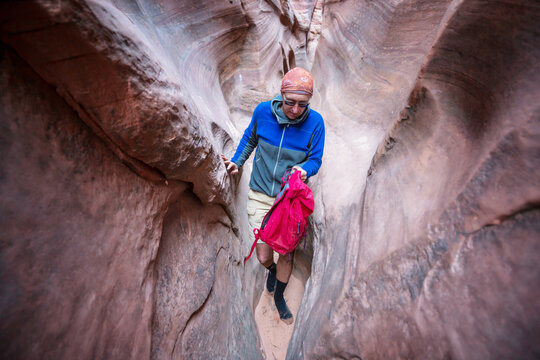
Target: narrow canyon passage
x,y
274,333
123,235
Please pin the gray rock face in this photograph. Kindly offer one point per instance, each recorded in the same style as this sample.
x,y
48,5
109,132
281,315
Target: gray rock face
x,y
123,236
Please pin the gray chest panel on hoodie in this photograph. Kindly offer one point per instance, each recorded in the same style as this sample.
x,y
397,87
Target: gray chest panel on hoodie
x,y
270,165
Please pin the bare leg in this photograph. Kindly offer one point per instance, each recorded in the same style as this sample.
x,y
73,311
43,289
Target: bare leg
x,y
284,267
265,254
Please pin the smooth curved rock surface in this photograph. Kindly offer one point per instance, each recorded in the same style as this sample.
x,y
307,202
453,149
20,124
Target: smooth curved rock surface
x,y
79,231
440,252
122,234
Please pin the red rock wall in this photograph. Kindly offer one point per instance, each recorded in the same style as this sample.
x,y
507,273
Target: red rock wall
x,y
98,262
200,310
79,231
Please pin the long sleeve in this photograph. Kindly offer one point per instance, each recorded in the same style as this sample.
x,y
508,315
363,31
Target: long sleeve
x,y
247,143
316,149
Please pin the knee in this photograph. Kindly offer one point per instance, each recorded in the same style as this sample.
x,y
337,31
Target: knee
x,y
287,258
264,258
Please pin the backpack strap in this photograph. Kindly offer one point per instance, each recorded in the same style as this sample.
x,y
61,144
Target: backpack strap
x,y
257,236
286,176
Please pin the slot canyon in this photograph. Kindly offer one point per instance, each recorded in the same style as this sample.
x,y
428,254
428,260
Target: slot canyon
x,y
123,236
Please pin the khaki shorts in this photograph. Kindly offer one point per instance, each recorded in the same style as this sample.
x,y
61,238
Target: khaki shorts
x,y
258,205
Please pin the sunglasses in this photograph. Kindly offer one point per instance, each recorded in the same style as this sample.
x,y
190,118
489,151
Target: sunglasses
x,y
292,103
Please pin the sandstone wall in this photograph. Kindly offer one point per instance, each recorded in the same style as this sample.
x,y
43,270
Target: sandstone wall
x,y
79,231
440,248
98,262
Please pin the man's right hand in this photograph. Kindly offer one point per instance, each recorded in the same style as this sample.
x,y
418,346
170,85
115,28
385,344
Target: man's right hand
x,y
231,167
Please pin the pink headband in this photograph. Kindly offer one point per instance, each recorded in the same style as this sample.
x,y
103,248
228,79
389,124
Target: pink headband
x,y
297,81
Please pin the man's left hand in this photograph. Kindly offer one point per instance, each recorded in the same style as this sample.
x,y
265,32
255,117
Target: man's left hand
x,y
303,173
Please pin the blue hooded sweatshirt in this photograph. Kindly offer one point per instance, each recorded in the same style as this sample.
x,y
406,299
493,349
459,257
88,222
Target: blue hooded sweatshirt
x,y
281,144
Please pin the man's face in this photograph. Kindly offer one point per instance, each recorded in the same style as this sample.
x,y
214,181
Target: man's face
x,y
295,110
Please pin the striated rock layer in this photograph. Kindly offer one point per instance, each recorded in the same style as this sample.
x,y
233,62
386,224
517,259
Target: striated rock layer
x,y
122,234
78,232
442,245
96,261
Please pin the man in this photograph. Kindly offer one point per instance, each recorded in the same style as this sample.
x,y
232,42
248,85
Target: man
x,y
287,134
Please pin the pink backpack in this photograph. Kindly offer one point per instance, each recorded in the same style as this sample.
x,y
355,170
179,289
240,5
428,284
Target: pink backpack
x,y
286,222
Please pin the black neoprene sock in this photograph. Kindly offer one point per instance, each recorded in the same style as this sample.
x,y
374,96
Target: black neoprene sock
x,y
281,305
271,279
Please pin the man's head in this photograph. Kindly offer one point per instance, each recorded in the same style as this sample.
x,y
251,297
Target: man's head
x,y
296,91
